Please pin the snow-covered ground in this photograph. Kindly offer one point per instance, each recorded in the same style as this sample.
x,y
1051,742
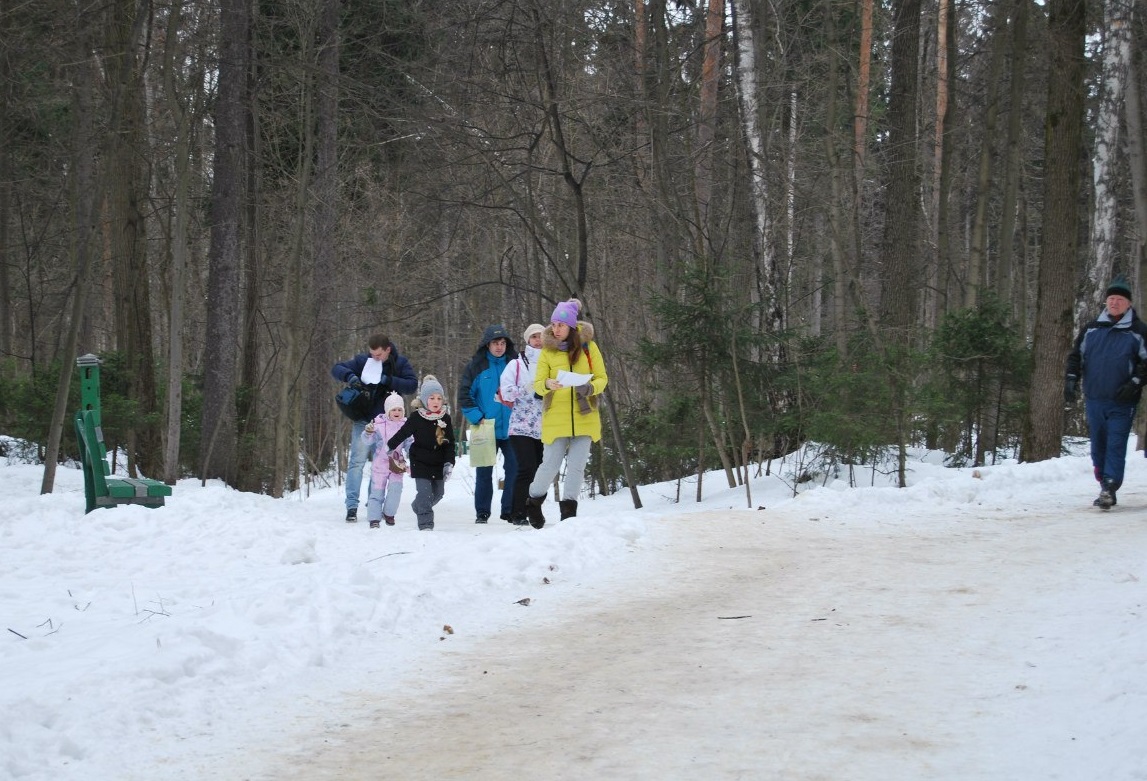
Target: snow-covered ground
x,y
224,629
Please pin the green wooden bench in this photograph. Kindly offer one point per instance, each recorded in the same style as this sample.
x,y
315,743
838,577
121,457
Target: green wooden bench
x,y
100,489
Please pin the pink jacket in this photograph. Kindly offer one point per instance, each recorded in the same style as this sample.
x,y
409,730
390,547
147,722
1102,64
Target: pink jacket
x,y
384,429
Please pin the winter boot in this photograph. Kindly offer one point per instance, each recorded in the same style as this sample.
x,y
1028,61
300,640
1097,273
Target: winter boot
x,y
1106,499
482,518
375,524
352,515
389,519
534,511
568,508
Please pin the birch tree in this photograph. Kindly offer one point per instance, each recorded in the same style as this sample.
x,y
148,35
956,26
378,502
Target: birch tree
x,y
1104,216
769,314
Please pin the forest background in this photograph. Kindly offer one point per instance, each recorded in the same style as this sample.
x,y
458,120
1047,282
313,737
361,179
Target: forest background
x,y
858,224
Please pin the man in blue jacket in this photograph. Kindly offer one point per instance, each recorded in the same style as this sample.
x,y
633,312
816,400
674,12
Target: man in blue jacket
x,y
478,398
1110,356
376,373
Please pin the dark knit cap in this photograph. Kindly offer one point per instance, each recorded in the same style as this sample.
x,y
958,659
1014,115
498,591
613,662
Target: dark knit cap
x,y
1119,287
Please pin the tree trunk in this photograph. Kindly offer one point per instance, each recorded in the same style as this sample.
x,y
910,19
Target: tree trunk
x,y
1137,162
901,280
574,180
6,150
127,229
1104,223
977,260
83,193
181,124
251,452
1011,276
1137,157
707,121
218,456
863,85
290,365
654,122
935,301
1063,135
901,277
319,422
766,292
837,212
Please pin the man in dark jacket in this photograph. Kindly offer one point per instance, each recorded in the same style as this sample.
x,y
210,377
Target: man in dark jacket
x,y
376,373
1110,356
478,398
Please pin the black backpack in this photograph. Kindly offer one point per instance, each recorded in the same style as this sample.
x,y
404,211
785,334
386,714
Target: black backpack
x,y
355,404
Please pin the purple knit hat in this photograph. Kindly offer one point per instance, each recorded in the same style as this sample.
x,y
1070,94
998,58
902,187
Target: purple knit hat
x,y
566,312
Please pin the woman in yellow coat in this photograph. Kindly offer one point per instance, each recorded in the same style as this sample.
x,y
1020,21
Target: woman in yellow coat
x,y
571,421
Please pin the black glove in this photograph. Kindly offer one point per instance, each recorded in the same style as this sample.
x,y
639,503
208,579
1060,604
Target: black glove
x,y
1128,392
384,379
1070,389
353,381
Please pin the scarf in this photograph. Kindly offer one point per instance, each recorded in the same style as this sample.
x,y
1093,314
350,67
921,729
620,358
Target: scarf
x,y
439,430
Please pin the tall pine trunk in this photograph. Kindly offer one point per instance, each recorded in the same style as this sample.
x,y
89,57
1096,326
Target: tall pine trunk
x,y
901,274
218,449
318,411
126,226
977,256
901,278
1012,278
82,194
1063,137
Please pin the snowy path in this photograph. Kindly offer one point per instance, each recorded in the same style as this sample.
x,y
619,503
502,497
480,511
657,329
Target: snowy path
x,y
775,645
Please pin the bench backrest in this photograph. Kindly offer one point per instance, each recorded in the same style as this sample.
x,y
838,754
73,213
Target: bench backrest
x,y
93,453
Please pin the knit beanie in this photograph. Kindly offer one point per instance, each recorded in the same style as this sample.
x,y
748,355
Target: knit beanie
x,y
566,312
531,329
1119,287
430,386
392,401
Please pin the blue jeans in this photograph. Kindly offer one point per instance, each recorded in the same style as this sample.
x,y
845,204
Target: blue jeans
x,y
1109,424
484,481
360,454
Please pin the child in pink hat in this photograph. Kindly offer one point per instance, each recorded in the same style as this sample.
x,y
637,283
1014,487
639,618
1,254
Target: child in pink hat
x,y
388,466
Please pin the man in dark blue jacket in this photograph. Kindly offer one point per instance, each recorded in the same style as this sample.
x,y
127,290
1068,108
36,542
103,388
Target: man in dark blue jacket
x,y
478,397
376,373
1110,356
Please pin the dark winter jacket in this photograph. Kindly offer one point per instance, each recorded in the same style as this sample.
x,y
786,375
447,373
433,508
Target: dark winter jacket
x,y
400,378
433,445
480,381
1109,355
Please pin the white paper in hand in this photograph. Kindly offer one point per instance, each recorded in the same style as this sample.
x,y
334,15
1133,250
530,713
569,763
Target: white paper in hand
x,y
572,380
